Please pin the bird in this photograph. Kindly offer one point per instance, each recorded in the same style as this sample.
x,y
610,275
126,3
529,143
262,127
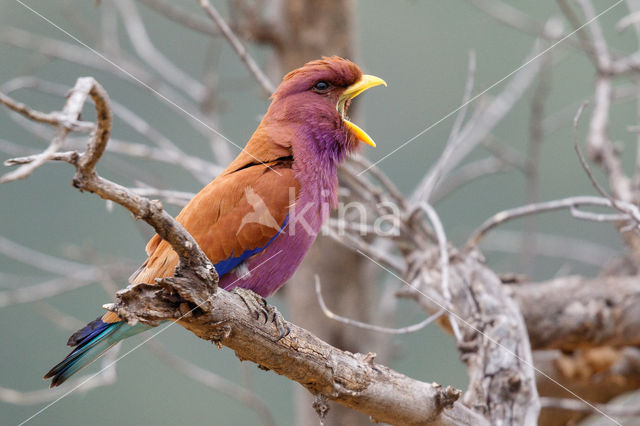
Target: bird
x,y
257,219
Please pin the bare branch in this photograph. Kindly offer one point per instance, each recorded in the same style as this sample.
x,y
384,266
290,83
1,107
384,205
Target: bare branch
x,y
599,46
87,179
426,187
85,383
553,246
484,120
577,405
469,173
532,165
147,51
267,86
69,114
178,15
536,208
444,265
55,118
215,382
43,262
582,312
371,327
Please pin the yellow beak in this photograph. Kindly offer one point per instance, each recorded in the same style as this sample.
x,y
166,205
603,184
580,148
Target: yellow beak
x,y
366,82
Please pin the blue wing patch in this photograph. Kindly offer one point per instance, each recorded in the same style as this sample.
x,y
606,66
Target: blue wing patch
x,y
225,266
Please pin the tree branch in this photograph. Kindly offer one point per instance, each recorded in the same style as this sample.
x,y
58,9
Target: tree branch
x,y
353,380
582,313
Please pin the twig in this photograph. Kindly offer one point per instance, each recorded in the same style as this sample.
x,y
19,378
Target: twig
x,y
468,173
444,265
587,44
631,19
536,208
186,20
509,15
484,120
71,281
178,198
600,49
534,147
371,327
87,179
577,405
169,152
215,382
55,118
69,114
430,181
147,51
552,246
85,383
587,215
355,243
576,147
267,86
391,188
43,262
597,217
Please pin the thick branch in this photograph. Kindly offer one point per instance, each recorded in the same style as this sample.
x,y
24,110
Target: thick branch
x,y
353,380
573,312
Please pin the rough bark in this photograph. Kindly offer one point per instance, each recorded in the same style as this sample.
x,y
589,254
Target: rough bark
x,y
493,342
582,313
353,380
597,375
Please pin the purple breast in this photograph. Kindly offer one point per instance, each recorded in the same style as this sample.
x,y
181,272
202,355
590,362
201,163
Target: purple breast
x,y
267,271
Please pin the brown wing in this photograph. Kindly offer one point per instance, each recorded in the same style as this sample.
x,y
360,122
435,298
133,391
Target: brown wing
x,y
240,210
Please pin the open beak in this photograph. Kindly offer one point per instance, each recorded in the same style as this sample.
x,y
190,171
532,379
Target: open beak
x,y
366,82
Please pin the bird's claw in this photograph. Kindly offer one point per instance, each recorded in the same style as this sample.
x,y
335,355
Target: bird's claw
x,y
258,306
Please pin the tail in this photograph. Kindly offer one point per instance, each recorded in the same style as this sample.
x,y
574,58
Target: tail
x,y
90,342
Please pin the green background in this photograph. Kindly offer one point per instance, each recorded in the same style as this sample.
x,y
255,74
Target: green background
x,y
419,47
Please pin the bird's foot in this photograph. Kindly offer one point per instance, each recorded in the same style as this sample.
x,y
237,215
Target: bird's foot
x,y
258,306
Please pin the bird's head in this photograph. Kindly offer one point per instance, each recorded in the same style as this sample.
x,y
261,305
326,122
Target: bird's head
x,y
316,98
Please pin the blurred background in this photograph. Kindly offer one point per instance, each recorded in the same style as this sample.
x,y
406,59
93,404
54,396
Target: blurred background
x,y
422,48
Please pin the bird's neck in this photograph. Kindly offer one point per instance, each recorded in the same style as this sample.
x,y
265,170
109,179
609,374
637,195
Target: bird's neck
x,y
317,156
317,152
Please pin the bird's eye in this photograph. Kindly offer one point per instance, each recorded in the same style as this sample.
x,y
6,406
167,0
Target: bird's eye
x,y
321,87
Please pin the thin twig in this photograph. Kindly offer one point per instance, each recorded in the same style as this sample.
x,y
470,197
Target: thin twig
x,y
566,203
267,86
55,118
371,327
186,20
534,148
444,265
143,45
592,179
430,181
215,382
552,246
599,44
577,405
69,114
85,383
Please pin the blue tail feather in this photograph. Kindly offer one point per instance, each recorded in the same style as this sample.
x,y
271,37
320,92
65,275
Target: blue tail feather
x,y
90,342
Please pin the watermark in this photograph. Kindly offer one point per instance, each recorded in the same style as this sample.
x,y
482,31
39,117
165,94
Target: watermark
x,y
307,214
